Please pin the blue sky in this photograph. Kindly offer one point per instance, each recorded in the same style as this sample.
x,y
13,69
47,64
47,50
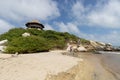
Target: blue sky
x,y
97,20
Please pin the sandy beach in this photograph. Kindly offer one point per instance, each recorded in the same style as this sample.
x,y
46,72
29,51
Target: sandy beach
x,y
34,66
54,66
92,68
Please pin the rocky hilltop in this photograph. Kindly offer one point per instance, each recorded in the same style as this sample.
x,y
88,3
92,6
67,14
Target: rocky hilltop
x,y
33,40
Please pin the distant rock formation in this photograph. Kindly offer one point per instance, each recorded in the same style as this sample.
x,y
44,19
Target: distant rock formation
x,y
97,45
101,46
108,47
93,46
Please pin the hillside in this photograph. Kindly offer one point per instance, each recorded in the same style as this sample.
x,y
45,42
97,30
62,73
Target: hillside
x,y
38,41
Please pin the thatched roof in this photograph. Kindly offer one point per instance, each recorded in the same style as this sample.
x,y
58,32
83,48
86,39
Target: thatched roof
x,y
34,22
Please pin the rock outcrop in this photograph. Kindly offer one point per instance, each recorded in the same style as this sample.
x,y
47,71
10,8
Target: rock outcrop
x,y
93,46
2,45
81,48
3,42
97,45
25,34
75,48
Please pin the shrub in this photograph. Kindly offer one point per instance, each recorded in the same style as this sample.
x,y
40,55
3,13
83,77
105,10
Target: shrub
x,y
84,41
40,40
55,38
28,45
35,32
12,33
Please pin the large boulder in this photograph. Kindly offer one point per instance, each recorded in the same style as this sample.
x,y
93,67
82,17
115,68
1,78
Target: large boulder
x,y
2,45
2,48
3,42
97,45
25,34
81,48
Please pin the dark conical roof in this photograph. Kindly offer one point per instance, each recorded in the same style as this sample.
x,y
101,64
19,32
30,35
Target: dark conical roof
x,y
34,22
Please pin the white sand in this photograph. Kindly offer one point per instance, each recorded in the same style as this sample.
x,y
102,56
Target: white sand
x,y
34,66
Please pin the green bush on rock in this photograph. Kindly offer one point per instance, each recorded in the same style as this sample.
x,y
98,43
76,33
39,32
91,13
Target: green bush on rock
x,y
39,40
28,45
12,34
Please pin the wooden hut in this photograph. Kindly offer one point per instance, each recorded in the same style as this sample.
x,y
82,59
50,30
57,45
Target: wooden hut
x,y
34,24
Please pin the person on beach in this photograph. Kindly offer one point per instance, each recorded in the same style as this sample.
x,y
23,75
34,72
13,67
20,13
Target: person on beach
x,y
69,48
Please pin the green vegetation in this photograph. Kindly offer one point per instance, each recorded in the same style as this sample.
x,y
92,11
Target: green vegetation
x,y
28,45
12,34
84,41
38,41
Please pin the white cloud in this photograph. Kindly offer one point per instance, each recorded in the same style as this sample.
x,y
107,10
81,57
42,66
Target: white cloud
x,y
68,27
102,15
105,15
4,26
112,37
28,9
78,10
48,27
